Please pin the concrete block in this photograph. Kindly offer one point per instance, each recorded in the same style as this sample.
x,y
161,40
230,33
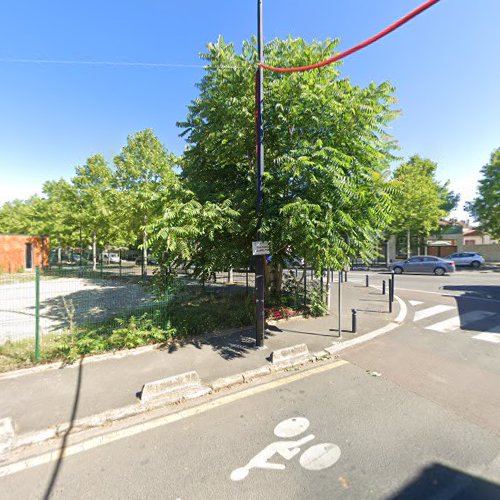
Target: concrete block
x,y
188,383
6,435
250,375
290,356
224,382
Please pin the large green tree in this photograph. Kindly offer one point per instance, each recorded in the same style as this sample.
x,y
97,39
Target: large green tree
x,y
144,174
95,204
326,152
420,201
485,208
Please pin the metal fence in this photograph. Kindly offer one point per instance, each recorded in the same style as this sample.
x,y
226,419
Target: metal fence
x,y
66,298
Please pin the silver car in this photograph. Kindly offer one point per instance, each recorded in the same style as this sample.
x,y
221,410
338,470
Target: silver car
x,y
424,264
472,259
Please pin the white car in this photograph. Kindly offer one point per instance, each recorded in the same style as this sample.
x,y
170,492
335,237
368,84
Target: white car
x,y
472,259
111,258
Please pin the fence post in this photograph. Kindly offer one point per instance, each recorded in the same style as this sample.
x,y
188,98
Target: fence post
x,y
166,308
37,314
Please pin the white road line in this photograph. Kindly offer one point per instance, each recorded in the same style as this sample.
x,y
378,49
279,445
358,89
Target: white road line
x,y
454,323
415,302
431,311
488,337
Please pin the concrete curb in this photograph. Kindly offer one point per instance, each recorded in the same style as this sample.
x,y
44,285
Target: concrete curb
x,y
290,356
6,435
184,386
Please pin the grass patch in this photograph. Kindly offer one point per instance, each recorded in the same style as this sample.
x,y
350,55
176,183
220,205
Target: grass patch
x,y
192,311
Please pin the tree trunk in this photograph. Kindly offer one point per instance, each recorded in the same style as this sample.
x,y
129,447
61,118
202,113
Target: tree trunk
x,y
59,255
274,278
94,252
408,244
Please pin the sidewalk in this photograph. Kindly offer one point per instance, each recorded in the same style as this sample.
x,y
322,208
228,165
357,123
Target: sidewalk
x,y
39,400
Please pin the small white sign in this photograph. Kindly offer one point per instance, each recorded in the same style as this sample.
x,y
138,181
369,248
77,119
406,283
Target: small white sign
x,y
260,248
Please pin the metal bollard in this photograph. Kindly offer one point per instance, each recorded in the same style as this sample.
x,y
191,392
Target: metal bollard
x,y
345,276
367,280
383,287
390,295
341,277
354,321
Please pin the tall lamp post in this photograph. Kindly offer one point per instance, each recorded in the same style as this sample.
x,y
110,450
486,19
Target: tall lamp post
x,y
260,259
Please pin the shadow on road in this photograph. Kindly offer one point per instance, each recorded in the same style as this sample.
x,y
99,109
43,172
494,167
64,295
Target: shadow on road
x,y
477,291
76,401
441,481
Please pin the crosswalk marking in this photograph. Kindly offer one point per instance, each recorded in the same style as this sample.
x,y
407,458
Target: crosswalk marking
x,y
489,337
431,311
415,302
455,322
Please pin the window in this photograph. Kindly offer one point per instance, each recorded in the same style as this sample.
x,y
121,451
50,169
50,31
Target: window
x,y
469,242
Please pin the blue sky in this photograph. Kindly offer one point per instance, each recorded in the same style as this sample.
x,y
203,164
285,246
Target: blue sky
x,y
444,65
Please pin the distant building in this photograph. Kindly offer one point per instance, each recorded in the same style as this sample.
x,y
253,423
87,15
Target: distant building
x,y
21,252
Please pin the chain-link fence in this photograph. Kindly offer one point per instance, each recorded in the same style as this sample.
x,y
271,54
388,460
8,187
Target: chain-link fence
x,y
117,300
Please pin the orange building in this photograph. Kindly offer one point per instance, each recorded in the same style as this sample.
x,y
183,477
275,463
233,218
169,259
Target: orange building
x,y
20,252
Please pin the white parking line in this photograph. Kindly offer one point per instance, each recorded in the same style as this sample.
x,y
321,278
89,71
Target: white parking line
x,y
488,337
415,302
449,325
431,311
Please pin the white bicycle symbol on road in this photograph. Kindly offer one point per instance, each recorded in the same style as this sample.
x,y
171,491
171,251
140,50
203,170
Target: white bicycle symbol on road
x,y
317,457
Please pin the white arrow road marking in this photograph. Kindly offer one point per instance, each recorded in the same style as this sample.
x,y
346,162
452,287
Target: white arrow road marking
x,y
454,323
415,302
431,311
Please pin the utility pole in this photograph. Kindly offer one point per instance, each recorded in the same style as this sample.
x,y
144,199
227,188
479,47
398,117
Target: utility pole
x,y
260,259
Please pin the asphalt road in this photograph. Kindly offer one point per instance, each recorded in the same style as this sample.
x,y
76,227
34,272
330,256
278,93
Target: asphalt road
x,y
412,414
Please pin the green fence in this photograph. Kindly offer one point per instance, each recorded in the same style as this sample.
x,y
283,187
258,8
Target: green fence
x,y
73,309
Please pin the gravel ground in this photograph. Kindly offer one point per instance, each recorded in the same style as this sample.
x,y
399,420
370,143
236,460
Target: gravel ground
x,y
60,299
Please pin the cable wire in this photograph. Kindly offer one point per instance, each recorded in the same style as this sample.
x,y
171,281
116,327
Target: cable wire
x,y
360,46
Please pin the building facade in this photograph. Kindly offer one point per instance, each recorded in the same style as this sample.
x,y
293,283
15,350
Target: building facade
x,y
21,252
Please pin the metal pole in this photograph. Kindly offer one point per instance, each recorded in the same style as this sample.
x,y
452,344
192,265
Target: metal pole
x,y
393,283
340,304
37,314
166,308
383,287
367,280
390,295
354,321
260,259
328,288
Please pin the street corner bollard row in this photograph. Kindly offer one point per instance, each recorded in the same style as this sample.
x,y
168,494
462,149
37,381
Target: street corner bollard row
x,y
354,321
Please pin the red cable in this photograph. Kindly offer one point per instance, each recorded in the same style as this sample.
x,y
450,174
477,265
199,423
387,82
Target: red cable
x,y
360,46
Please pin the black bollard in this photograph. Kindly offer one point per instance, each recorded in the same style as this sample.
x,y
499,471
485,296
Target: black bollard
x,y
367,280
383,287
345,276
354,321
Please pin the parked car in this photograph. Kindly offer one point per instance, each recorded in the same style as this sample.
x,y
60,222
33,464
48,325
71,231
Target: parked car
x,y
111,258
472,259
424,264
151,261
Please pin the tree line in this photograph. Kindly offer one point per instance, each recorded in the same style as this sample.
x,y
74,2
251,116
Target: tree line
x,y
329,194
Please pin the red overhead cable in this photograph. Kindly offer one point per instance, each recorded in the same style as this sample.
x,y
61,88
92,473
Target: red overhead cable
x,y
361,45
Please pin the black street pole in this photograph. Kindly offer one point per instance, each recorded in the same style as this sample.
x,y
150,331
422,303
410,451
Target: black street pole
x,y
260,259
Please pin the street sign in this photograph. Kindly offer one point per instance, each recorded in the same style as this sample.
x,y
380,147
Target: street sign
x,y
260,248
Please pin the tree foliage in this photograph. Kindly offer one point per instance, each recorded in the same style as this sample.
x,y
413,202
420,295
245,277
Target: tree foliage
x,y
326,196
485,208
